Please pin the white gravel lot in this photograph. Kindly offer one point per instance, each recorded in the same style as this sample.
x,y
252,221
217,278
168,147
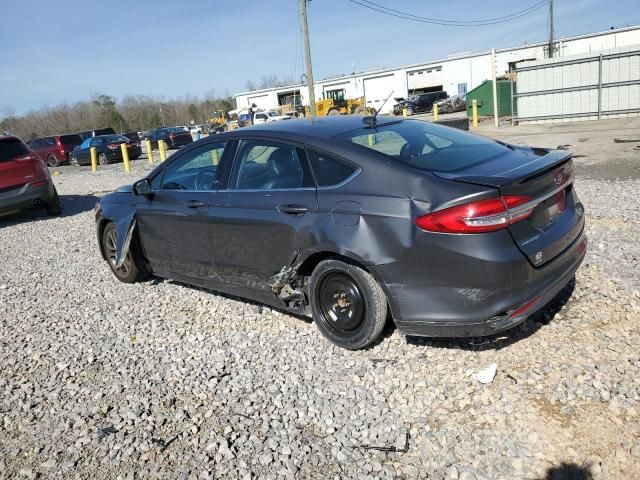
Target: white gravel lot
x,y
104,380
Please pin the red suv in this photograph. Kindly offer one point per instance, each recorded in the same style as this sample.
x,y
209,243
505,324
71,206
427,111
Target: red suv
x,y
24,179
55,149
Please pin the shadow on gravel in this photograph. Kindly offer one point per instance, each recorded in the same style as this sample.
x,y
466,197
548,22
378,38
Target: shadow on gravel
x,y
569,471
71,205
503,339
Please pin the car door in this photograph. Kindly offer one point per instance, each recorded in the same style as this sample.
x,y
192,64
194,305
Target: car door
x,y
269,205
173,225
83,153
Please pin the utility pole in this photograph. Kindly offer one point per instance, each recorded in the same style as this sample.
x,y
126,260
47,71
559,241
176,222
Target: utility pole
x,y
307,52
550,28
494,87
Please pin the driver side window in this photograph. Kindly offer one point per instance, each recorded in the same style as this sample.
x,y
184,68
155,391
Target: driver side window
x,y
196,170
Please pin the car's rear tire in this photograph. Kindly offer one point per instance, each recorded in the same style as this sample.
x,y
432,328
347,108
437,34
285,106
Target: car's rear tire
x,y
333,111
410,111
348,306
53,206
52,161
73,160
103,160
132,269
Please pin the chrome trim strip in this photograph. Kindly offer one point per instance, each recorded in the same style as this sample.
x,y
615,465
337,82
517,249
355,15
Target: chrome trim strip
x,y
520,209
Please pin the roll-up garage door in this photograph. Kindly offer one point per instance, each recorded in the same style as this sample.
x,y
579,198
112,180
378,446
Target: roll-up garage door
x,y
376,90
425,80
261,101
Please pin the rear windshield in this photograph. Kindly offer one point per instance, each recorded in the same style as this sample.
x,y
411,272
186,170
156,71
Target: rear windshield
x,y
103,131
72,140
427,146
114,138
175,130
12,148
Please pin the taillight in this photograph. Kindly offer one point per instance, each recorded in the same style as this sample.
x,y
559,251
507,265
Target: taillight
x,y
29,157
113,146
172,136
479,216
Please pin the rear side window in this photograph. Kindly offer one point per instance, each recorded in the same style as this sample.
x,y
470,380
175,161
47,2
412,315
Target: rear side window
x,y
427,146
70,140
327,170
12,148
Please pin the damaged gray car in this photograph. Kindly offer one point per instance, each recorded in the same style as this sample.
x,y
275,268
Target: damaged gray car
x,y
354,221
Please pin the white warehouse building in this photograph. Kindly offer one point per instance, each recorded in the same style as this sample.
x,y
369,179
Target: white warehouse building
x,y
454,74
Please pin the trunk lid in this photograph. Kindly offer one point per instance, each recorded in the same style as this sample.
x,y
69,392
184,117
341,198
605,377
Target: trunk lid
x,y
546,177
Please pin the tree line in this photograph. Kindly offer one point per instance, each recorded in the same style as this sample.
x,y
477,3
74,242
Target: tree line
x,y
131,113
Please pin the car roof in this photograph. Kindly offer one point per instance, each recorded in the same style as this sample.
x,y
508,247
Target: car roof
x,y
322,127
8,137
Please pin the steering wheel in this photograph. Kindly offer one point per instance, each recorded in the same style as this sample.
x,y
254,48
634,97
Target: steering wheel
x,y
204,180
411,152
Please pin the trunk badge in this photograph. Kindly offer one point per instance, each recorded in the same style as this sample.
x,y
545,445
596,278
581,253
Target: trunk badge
x,y
538,257
558,179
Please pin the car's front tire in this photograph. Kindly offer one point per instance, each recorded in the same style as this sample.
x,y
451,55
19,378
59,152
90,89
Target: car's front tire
x,y
348,305
52,161
73,160
132,269
103,160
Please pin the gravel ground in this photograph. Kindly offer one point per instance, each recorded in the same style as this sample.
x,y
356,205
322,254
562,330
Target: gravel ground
x,y
160,380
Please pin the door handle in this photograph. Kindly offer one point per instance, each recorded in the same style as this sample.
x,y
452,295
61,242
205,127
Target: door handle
x,y
293,209
194,204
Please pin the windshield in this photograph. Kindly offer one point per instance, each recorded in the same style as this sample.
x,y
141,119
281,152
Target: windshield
x,y
427,146
114,138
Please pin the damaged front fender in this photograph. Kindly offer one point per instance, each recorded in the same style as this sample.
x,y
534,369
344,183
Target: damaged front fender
x,y
124,231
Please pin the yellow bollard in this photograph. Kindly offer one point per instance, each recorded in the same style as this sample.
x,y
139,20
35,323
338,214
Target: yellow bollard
x,y
371,139
94,159
474,112
215,156
435,113
125,157
163,150
404,112
147,143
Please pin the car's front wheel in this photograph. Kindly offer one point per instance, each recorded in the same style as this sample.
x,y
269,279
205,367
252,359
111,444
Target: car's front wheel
x,y
131,270
73,160
103,160
348,305
52,161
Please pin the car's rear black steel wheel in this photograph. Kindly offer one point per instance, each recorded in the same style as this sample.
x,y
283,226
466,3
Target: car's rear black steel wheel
x,y
52,161
348,305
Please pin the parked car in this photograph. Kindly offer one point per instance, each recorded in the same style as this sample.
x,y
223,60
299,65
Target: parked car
x,y
174,137
108,150
96,132
268,117
454,234
25,180
54,150
457,103
133,136
418,103
244,120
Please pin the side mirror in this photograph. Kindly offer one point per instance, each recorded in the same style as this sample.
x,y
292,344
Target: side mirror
x,y
142,187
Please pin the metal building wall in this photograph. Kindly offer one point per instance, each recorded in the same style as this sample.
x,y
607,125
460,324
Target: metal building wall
x,y
580,87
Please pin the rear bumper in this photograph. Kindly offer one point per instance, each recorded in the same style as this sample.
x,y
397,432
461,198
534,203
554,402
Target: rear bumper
x,y
13,200
477,299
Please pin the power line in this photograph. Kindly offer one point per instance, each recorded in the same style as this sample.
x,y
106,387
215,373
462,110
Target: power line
x,y
452,23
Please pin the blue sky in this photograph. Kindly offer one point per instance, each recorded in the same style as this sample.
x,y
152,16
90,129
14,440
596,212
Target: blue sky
x,y
65,50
